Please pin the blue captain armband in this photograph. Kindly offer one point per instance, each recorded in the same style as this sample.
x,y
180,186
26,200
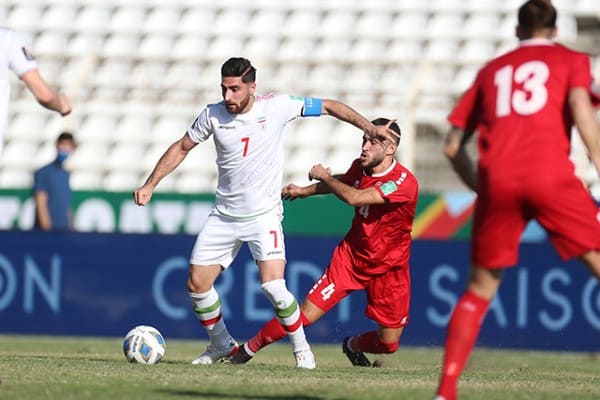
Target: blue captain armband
x,y
312,107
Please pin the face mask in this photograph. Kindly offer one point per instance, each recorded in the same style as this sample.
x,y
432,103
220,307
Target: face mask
x,y
62,156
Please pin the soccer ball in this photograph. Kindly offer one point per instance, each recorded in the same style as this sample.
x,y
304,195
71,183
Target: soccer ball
x,y
144,344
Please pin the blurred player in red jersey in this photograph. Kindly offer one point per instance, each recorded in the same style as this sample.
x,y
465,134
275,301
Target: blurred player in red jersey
x,y
523,105
374,254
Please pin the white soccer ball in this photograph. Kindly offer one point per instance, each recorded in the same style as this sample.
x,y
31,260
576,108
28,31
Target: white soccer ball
x,y
144,345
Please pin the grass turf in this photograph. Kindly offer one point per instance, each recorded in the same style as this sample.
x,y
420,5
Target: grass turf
x,y
36,367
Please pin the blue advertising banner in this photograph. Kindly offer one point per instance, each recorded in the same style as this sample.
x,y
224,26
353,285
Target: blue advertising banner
x,y
104,284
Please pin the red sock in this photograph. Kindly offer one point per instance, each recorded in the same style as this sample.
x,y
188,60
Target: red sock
x,y
463,330
369,342
271,332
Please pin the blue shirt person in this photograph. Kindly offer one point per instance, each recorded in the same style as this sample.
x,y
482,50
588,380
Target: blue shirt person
x,y
52,192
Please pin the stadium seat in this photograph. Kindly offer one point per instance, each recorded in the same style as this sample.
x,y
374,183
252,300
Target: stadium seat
x,y
444,26
261,47
120,45
373,25
409,25
476,51
28,126
364,49
338,24
189,46
58,17
197,20
97,128
194,182
232,21
126,158
156,46
407,51
49,44
82,44
127,19
334,50
442,50
567,28
266,22
296,50
169,129
223,47
25,18
93,19
479,26
16,178
86,180
119,181
446,6
89,157
19,154
296,25
134,129
162,20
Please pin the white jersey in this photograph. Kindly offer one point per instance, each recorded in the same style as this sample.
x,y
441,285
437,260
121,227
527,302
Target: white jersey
x,y
13,56
249,152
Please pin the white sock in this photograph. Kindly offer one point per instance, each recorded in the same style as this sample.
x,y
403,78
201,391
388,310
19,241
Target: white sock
x,y
207,307
287,312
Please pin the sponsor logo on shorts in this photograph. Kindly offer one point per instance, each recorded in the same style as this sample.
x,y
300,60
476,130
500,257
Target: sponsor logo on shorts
x,y
274,252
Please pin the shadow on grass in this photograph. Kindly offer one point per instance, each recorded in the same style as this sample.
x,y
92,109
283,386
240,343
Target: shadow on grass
x,y
218,395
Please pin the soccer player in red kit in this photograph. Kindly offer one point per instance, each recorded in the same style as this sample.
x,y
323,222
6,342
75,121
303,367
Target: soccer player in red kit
x,y
522,104
374,254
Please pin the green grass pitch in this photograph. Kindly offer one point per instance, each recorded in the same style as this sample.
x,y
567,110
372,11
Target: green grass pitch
x,y
37,367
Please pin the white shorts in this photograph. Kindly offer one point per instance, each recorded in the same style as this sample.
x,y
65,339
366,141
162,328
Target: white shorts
x,y
221,238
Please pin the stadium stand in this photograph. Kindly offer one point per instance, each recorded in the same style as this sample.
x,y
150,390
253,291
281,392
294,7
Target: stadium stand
x,y
138,72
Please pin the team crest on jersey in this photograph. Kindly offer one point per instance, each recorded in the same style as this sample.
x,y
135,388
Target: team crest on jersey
x,y
262,120
389,187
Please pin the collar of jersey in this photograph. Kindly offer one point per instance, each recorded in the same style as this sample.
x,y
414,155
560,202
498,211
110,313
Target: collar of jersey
x,y
384,173
536,42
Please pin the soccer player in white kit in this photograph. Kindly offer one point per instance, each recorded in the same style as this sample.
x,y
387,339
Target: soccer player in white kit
x,y
15,56
248,133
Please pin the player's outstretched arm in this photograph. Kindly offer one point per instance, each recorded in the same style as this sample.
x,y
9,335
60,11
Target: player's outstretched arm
x,y
586,123
346,113
293,192
459,158
346,193
165,165
44,94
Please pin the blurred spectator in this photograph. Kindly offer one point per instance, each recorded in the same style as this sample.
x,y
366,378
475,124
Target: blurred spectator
x,y
51,190
15,56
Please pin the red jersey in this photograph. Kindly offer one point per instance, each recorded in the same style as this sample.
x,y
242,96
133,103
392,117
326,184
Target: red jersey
x,y
519,105
380,236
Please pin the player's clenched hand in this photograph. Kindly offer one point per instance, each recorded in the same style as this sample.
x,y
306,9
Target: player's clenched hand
x,y
292,192
319,172
142,195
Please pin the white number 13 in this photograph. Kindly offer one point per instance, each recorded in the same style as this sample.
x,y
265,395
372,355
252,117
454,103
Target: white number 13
x,y
529,100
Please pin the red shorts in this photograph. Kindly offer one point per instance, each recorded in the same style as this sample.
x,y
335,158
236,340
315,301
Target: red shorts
x,y
563,206
388,294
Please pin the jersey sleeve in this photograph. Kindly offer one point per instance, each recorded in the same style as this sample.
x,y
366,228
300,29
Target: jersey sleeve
x,y
40,181
201,128
465,114
20,59
581,72
401,190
